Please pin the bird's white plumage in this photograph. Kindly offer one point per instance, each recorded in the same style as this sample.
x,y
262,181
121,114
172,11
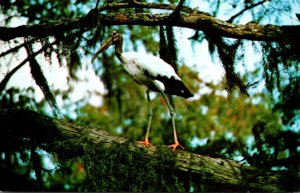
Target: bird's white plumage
x,y
137,64
153,65
150,71
159,85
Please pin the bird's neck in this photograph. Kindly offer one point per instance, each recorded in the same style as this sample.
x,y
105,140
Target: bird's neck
x,y
119,50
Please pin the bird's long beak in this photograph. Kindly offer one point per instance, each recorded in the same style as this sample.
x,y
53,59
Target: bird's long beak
x,y
106,44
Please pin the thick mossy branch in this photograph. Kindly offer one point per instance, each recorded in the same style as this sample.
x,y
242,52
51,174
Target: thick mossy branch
x,y
222,174
196,20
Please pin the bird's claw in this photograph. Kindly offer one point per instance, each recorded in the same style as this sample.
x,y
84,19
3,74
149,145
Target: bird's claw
x,y
146,143
175,145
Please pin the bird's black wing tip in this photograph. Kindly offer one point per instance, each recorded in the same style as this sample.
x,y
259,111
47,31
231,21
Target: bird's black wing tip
x,y
188,95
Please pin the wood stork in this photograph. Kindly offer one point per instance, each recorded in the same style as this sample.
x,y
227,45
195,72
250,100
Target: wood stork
x,y
151,72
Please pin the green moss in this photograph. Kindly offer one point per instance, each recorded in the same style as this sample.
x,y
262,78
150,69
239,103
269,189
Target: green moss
x,y
118,168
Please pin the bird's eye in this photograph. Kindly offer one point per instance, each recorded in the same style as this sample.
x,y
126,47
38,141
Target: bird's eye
x,y
114,33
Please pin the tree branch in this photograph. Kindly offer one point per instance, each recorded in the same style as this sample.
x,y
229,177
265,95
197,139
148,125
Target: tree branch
x,y
136,4
246,9
197,21
42,129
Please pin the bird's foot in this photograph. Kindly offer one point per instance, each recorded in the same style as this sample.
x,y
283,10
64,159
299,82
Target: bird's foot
x,y
175,145
146,143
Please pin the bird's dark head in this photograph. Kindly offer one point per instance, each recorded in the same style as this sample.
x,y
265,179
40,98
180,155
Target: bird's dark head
x,y
115,38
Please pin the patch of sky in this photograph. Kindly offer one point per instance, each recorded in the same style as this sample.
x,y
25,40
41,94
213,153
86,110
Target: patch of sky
x,y
204,109
198,142
152,95
32,175
118,130
47,159
164,115
223,151
256,100
250,141
67,187
295,123
238,157
127,122
192,189
20,160
221,93
179,116
2,155
271,150
212,134
229,136
278,168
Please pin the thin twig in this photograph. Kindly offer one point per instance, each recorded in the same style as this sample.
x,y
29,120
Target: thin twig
x,y
97,4
178,8
4,82
246,9
15,49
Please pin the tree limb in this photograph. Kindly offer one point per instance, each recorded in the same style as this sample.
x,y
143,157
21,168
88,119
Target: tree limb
x,y
227,173
136,4
196,20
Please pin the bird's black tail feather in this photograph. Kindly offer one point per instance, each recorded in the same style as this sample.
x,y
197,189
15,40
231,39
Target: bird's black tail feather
x,y
174,87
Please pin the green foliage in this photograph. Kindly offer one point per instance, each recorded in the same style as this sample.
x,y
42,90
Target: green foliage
x,y
288,102
281,62
18,98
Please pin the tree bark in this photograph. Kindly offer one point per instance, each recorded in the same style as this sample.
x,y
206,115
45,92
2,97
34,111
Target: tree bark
x,y
225,173
193,20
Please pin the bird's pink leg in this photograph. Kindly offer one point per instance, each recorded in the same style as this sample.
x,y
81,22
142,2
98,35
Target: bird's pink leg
x,y
146,142
176,143
172,114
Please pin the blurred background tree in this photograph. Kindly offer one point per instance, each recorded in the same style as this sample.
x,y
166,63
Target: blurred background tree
x,y
251,115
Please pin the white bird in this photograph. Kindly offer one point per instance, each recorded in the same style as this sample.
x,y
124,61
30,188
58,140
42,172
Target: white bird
x,y
151,72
